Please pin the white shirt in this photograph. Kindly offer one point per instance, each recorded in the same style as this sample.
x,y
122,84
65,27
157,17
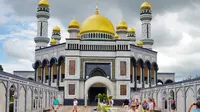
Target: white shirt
x,y
75,103
150,105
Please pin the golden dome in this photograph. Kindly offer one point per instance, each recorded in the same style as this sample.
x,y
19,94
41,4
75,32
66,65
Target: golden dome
x,y
140,43
74,24
116,36
79,35
43,3
53,41
145,5
97,23
56,28
122,25
131,30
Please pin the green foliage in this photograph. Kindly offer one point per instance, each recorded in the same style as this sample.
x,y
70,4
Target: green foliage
x,y
110,97
105,107
11,99
1,68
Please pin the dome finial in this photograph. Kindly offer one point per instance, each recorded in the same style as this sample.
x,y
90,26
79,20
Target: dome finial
x,y
97,9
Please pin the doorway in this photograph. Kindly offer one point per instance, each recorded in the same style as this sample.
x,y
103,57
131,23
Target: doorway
x,y
93,94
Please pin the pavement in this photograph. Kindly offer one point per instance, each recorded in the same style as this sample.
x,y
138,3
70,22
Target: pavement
x,y
80,109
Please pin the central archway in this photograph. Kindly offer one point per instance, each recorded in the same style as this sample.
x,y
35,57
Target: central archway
x,y
98,80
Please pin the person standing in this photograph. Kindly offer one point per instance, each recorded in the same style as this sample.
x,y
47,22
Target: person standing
x,y
173,106
133,108
144,105
150,105
75,104
55,104
197,107
126,104
111,102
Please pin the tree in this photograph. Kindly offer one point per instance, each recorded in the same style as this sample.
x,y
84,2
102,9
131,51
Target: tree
x,y
1,68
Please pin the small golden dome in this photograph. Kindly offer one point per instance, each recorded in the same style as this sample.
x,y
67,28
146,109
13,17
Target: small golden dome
x,y
122,25
43,3
97,23
56,28
79,35
140,43
131,30
145,5
116,36
53,41
74,24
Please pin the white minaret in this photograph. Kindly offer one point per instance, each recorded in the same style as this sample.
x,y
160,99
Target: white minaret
x,y
122,29
56,34
42,15
131,35
73,28
146,17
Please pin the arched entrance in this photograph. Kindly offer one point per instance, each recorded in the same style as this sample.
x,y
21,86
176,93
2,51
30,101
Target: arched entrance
x,y
95,85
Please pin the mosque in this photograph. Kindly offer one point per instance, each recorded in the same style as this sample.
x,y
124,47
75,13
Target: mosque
x,y
97,57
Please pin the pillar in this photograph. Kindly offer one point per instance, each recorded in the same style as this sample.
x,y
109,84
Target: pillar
x,y
135,77
195,91
49,75
42,74
58,74
143,77
26,99
184,97
35,74
7,96
149,75
156,77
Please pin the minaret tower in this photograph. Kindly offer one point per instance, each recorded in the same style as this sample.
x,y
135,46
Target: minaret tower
x,y
73,28
122,29
146,17
56,34
131,34
42,15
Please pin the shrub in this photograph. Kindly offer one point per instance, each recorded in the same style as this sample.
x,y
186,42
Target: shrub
x,y
105,107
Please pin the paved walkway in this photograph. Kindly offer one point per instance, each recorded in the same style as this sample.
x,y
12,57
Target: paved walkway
x,y
80,109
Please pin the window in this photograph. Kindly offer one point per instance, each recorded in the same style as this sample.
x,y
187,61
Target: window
x,y
71,89
122,89
123,68
72,67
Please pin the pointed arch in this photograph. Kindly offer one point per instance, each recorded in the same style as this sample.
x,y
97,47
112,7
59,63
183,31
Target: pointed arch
x,y
140,61
37,63
148,64
45,62
53,60
155,65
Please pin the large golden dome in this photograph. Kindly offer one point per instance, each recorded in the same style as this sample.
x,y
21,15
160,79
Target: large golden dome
x,y
97,23
43,3
145,5
56,28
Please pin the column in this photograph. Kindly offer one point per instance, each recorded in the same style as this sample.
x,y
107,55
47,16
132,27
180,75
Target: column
x,y
184,94
175,97
35,74
58,74
7,96
195,91
142,77
135,77
168,106
156,80
133,71
149,76
49,75
52,74
26,99
42,74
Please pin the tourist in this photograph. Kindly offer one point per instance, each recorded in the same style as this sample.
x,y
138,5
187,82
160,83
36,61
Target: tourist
x,y
145,105
139,107
126,104
137,102
150,106
173,106
197,107
111,102
55,104
75,104
133,108
130,102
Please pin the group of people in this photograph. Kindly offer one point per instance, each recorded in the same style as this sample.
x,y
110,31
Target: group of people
x,y
134,105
